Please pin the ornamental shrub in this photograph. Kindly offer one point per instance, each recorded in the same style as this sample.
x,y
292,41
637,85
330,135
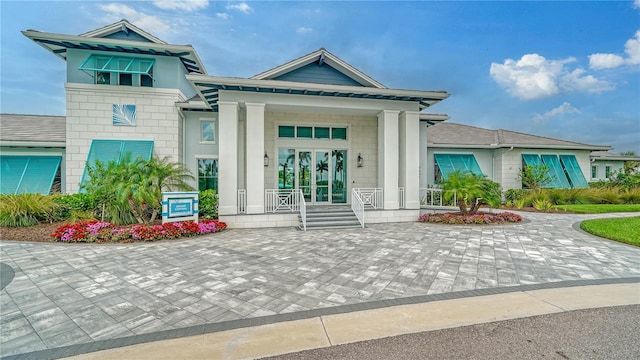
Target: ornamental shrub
x,y
21,210
208,204
480,218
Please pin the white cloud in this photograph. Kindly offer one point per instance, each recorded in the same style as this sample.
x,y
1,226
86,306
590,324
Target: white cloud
x,y
185,5
565,108
243,7
302,30
149,23
223,16
636,4
535,77
609,61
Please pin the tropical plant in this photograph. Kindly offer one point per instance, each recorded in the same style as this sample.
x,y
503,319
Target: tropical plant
x,y
21,210
535,176
631,167
131,191
542,205
470,191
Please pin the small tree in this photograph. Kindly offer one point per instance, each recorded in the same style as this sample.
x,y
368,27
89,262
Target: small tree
x,y
535,177
471,191
131,191
630,167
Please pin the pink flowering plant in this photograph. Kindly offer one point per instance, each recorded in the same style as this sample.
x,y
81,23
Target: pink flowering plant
x,y
478,218
100,231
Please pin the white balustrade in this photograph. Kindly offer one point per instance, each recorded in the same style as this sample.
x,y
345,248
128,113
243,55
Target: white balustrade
x,y
282,200
435,197
373,197
303,210
357,206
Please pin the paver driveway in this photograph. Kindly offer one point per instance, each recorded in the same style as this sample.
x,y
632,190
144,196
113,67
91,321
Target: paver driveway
x,y
72,294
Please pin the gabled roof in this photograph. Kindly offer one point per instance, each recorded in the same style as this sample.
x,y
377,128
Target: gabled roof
x,y
320,56
32,130
452,135
58,44
124,26
605,155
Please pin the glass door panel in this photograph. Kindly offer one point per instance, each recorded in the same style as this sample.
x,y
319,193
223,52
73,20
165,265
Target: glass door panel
x,y
322,176
286,168
304,174
339,171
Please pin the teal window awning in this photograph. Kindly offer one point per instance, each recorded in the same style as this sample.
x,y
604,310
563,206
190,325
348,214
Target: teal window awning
x,y
531,159
116,150
118,64
574,172
28,174
558,178
449,163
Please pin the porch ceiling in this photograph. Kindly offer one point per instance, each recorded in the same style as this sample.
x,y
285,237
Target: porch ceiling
x,y
209,87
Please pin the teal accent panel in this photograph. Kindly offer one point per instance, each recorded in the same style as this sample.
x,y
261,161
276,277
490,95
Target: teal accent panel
x,y
318,74
304,132
559,179
11,172
449,163
322,132
137,148
339,133
110,150
28,174
117,64
286,131
39,174
572,168
531,159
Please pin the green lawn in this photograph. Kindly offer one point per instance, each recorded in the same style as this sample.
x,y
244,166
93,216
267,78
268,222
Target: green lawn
x,y
626,230
598,208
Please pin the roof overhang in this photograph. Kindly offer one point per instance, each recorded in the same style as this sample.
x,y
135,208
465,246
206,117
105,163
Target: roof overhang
x,y
433,119
33,144
615,158
520,146
208,87
58,44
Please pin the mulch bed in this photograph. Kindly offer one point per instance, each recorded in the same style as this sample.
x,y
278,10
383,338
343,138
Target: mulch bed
x,y
37,233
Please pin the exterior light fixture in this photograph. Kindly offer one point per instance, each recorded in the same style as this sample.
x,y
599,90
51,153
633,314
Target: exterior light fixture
x,y
360,160
266,159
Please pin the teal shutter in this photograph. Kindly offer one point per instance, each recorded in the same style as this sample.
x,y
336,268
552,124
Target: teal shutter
x,y
449,163
559,179
28,174
531,159
572,168
114,150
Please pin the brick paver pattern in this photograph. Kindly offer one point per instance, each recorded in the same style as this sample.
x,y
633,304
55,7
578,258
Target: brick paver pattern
x,y
72,294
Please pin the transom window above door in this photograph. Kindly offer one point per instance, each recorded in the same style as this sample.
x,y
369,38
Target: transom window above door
x,y
312,132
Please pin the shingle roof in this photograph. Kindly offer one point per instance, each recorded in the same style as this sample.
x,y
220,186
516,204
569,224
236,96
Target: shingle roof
x,y
457,135
32,128
605,155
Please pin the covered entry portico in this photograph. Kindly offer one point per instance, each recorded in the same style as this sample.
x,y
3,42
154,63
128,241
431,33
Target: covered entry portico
x,y
322,141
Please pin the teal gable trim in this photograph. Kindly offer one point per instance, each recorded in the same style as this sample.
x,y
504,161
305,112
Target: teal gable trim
x,y
28,174
558,178
116,150
318,74
572,167
449,163
129,35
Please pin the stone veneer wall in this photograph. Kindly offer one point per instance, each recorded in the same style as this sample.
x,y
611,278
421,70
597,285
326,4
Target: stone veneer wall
x,y
90,116
362,137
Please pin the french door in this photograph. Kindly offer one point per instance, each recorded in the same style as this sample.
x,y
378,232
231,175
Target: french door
x,y
321,174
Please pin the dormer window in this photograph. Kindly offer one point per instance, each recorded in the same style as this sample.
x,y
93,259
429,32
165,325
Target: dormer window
x,y
128,71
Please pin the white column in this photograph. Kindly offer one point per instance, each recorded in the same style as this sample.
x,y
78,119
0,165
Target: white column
x,y
424,158
388,157
228,161
255,158
410,158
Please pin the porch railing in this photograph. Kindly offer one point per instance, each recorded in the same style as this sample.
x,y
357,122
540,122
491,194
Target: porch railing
x,y
303,210
242,201
373,197
282,200
401,197
435,197
357,205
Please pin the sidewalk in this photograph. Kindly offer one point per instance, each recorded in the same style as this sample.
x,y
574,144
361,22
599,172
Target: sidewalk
x,y
328,330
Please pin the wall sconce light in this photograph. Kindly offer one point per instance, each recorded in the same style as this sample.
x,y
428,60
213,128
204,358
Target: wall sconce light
x,y
360,160
266,159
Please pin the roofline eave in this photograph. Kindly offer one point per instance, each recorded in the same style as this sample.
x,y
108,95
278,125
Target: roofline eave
x,y
519,146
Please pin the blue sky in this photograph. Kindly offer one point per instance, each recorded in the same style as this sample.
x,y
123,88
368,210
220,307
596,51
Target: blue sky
x,y
567,70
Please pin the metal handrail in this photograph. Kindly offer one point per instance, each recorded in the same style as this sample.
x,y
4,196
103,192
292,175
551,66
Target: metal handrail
x,y
373,197
303,210
357,206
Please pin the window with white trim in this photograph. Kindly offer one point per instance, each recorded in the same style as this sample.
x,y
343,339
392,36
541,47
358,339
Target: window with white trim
x,y
207,174
207,131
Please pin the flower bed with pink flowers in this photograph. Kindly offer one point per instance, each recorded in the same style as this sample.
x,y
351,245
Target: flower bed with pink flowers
x,y
99,231
479,218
